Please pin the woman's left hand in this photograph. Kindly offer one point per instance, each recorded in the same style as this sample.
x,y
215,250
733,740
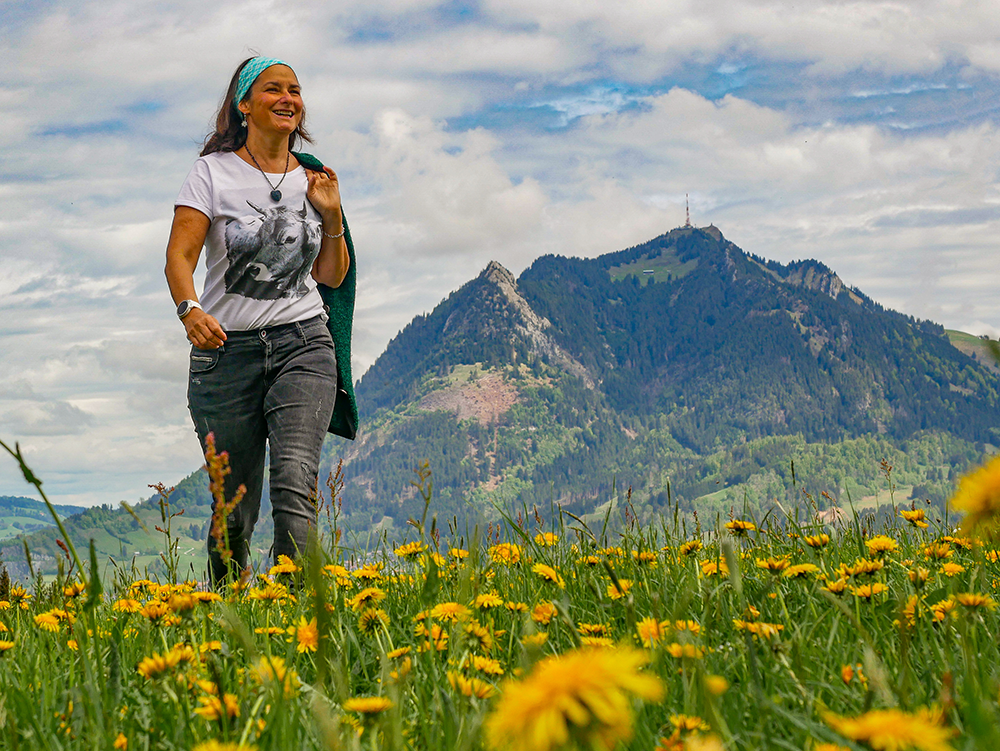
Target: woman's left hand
x,y
324,194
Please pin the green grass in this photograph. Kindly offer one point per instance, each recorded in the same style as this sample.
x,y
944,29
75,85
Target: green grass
x,y
665,267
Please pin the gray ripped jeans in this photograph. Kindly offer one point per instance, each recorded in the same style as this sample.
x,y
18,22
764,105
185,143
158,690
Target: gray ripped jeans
x,y
272,386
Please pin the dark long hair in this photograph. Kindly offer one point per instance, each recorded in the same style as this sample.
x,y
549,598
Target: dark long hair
x,y
229,135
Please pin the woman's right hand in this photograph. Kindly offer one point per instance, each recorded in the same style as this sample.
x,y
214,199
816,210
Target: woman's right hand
x,y
203,331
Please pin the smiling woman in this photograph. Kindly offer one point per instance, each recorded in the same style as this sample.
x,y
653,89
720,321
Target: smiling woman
x,y
264,368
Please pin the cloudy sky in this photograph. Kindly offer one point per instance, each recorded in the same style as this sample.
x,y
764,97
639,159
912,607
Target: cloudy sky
x,y
863,134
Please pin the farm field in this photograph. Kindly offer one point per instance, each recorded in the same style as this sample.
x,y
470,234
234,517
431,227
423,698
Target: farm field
x,y
749,634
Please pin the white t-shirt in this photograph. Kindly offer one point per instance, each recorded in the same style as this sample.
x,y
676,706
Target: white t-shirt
x,y
260,252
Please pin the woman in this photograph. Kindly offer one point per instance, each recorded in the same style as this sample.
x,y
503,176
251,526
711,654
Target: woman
x,y
264,369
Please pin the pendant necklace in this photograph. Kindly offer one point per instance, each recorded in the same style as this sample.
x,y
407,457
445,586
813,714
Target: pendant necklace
x,y
275,193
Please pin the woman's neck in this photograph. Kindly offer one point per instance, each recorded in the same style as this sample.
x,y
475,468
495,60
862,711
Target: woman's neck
x,y
271,152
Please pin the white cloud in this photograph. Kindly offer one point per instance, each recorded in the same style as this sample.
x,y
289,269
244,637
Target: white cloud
x,y
105,103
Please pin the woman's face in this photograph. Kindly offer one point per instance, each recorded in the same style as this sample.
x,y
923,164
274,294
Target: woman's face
x,y
275,101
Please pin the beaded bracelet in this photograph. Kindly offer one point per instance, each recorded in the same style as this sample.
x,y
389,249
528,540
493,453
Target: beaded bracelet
x,y
334,237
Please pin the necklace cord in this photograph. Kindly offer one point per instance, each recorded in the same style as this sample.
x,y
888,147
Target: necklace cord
x,y
274,188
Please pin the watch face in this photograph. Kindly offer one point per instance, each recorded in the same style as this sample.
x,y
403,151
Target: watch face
x,y
183,308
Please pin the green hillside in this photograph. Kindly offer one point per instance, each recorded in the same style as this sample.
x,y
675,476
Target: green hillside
x,y
720,380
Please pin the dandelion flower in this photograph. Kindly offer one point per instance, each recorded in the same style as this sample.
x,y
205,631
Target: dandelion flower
x,y
978,497
285,565
952,569
372,619
800,570
121,742
366,598
5,645
881,545
470,686
410,549
690,547
868,591
306,635
740,527
714,568
212,707
549,574
584,696
915,517
893,729
651,631
488,600
616,592
774,565
817,541
974,601
543,613
367,705
272,671
546,539
452,612
506,553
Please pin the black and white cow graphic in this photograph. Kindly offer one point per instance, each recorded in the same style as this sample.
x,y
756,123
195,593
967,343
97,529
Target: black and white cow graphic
x,y
271,257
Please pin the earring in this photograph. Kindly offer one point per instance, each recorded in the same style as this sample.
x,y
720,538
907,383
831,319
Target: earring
x,y
244,123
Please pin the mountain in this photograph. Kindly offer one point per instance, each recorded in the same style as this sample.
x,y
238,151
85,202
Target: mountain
x,y
683,374
19,515
640,366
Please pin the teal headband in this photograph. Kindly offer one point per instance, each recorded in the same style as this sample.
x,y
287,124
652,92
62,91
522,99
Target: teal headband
x,y
248,75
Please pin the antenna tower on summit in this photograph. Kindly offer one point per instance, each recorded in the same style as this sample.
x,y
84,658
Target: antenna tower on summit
x,y
687,211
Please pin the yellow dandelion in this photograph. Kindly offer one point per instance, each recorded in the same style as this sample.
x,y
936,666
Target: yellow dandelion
x,y
270,630
800,570
774,565
919,576
941,609
410,550
978,497
272,671
937,550
285,565
894,729
593,629
868,591
459,553
47,622
546,539
506,553
127,606
121,742
974,601
616,592
74,589
5,645
584,696
817,541
881,545
452,612
837,586
651,631
716,685
488,600
372,619
714,568
690,547
915,517
535,640
370,572
952,569
687,651
306,635
366,598
367,705
644,557
516,607
212,707
543,613
470,686
740,527
548,573
216,745
487,665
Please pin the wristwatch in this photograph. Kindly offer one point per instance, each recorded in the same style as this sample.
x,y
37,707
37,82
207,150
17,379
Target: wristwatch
x,y
187,306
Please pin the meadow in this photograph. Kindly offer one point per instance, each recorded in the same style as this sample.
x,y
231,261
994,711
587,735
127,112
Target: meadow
x,y
732,633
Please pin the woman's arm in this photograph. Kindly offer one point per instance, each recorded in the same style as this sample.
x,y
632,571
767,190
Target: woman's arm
x,y
187,236
332,263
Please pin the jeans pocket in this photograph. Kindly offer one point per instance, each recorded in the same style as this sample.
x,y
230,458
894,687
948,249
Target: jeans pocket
x,y
203,360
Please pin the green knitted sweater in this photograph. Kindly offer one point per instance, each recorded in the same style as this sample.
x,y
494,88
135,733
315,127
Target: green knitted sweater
x,y
340,304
